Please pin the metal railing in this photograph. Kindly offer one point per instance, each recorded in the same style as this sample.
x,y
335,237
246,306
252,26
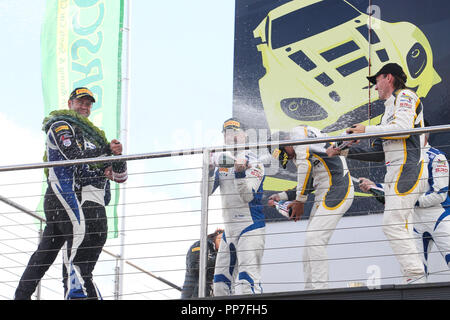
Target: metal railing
x,y
117,257
206,152
193,151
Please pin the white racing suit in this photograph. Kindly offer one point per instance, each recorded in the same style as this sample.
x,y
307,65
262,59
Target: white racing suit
x,y
238,262
405,178
431,214
334,194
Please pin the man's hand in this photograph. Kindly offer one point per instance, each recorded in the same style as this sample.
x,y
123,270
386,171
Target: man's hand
x,y
272,199
357,128
108,173
365,184
298,208
240,165
116,147
211,165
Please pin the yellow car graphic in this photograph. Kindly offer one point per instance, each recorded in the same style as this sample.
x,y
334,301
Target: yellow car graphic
x,y
316,57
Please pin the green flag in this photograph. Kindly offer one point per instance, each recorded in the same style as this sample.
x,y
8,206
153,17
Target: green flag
x,y
81,46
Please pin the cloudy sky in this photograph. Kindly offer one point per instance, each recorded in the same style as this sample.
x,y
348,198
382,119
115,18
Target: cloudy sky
x,y
180,93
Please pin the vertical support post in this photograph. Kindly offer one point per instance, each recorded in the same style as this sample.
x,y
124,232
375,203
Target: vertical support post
x,y
117,293
39,287
369,109
124,139
204,225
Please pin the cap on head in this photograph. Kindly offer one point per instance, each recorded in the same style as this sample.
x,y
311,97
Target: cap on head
x,y
392,68
81,92
232,123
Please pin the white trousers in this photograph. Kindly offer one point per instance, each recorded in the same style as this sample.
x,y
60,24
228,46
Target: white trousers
x,y
432,226
398,208
321,225
238,262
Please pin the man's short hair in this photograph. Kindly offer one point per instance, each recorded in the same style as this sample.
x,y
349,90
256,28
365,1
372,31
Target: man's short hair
x,y
214,235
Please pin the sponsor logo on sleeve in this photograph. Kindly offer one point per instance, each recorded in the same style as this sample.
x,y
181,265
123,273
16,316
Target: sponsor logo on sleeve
x,y
63,127
67,142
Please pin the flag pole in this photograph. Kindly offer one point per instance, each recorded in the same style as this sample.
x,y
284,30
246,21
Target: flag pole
x,y
124,134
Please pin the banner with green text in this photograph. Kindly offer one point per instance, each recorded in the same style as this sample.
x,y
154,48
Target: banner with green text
x,y
81,46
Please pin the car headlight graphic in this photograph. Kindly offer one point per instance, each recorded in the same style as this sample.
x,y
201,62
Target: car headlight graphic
x,y
303,109
416,60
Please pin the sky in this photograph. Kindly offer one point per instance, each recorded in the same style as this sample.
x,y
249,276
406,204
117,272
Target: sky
x,y
181,74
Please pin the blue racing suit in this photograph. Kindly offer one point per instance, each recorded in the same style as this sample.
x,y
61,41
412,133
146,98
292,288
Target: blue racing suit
x,y
432,210
63,212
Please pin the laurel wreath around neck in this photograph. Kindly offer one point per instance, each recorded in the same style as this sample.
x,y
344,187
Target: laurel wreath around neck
x,y
90,131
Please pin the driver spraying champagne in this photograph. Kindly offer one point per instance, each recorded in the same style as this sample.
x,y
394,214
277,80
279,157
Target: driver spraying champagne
x,y
239,175
334,194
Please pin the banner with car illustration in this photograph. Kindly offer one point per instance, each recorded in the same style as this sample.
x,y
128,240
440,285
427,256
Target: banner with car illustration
x,y
81,46
306,62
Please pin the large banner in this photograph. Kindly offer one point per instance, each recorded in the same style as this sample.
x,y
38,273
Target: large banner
x,y
81,46
306,62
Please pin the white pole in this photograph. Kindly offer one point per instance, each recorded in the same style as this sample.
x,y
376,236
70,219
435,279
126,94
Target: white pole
x,y
124,132
204,226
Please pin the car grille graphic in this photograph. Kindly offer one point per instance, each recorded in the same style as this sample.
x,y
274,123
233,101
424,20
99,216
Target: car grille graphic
x,y
364,30
302,60
383,55
353,66
340,51
324,79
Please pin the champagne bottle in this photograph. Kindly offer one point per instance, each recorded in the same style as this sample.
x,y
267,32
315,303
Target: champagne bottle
x,y
282,208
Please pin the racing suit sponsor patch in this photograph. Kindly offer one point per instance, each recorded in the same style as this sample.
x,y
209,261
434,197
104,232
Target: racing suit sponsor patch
x,y
63,127
67,142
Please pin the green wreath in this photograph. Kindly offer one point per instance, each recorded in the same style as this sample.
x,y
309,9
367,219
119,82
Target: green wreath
x,y
90,131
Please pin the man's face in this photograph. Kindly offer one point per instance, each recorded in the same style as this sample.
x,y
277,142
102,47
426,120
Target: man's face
x,y
290,152
81,106
217,241
384,86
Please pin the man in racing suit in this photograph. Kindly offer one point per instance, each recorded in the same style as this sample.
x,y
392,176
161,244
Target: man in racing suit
x,y
432,209
430,216
239,258
334,195
93,192
64,215
405,177
190,285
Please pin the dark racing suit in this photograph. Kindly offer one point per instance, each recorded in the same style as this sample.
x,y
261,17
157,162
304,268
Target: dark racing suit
x,y
63,212
190,285
93,192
